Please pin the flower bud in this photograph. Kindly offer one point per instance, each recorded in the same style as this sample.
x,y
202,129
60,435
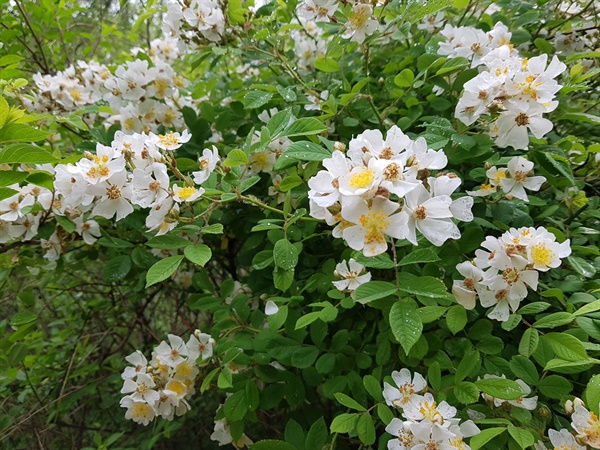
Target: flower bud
x,y
339,147
487,166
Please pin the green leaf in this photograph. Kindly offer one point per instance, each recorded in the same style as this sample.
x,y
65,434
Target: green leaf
x,y
456,318
522,437
566,346
270,444
434,375
25,154
555,386
304,357
406,324
285,254
592,393
248,183
468,363
382,261
500,388
117,268
235,12
23,318
344,423
235,158
529,342
554,320
8,177
18,132
524,369
348,402
199,254
4,110
225,380
279,121
373,387
317,435
304,127
430,314
307,319
256,99
428,8
163,269
589,308
168,242
374,290
404,79
326,64
421,255
287,94
41,178
306,151
215,228
426,286
581,266
479,440
236,406
366,429
466,392
67,225
282,278
290,182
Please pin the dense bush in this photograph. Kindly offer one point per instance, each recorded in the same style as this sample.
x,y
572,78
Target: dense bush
x,y
300,225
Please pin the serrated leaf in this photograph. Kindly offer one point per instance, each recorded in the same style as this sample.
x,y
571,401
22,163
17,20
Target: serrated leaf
x,y
167,242
529,342
343,399
235,158
566,346
521,436
555,386
256,99
8,177
554,320
304,127
500,388
326,64
406,324
456,318
163,269
306,151
592,393
18,132
198,254
236,406
366,429
25,154
285,254
374,290
426,286
344,423
466,392
117,268
421,255
482,438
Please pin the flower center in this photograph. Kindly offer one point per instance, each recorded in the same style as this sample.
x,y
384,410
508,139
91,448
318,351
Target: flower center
x,y
392,172
362,179
374,224
541,254
187,192
522,120
140,410
420,213
113,192
168,139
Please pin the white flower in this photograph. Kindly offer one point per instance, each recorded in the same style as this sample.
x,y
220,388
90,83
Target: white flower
x,y
518,168
564,440
89,230
11,208
114,197
351,276
373,224
171,354
465,291
361,180
403,436
200,345
163,217
315,101
186,193
139,362
207,164
171,140
360,23
430,215
141,388
545,253
222,435
431,435
150,186
399,396
103,165
424,407
271,308
587,426
317,10
138,411
513,125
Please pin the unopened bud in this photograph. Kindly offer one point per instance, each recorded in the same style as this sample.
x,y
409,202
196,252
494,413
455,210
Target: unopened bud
x,y
569,407
381,80
487,166
339,147
545,413
88,155
509,196
488,398
423,174
334,209
382,192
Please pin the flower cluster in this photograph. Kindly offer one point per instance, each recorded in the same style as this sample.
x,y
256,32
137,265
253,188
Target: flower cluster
x,y
513,180
513,262
362,193
428,424
162,388
514,91
141,96
132,171
190,21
